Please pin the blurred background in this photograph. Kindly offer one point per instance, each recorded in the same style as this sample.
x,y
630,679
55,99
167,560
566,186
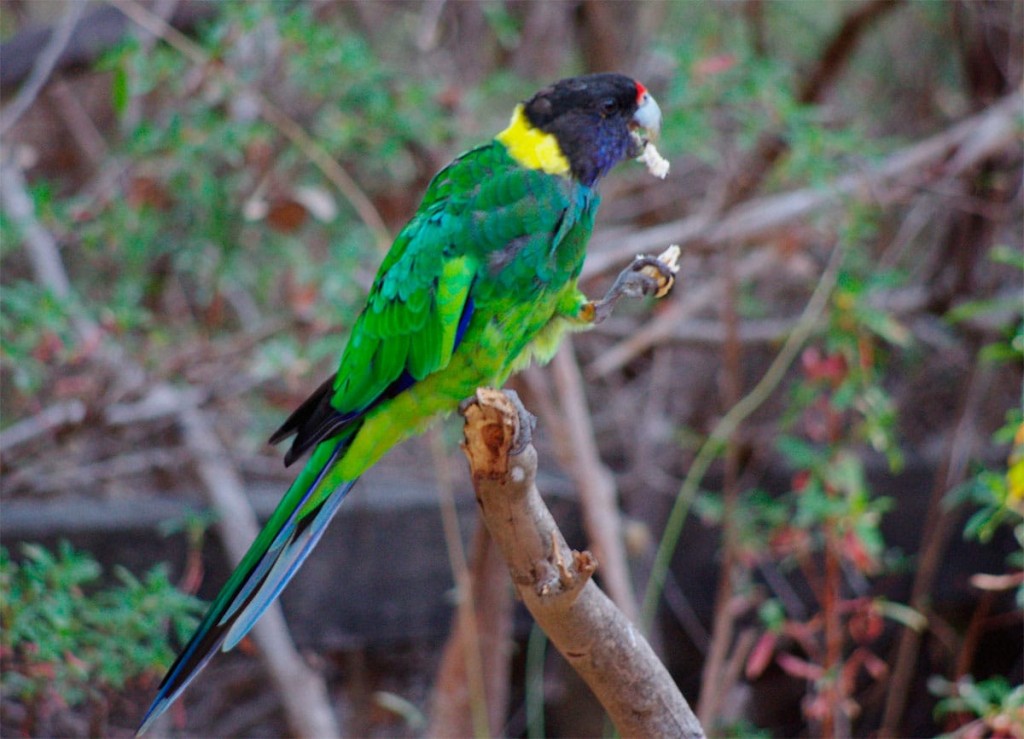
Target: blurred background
x,y
803,468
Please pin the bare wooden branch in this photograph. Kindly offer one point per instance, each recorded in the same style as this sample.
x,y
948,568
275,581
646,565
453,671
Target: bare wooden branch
x,y
602,645
40,245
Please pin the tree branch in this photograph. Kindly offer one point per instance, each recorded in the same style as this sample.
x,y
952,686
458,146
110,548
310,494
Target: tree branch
x,y
302,691
44,65
604,648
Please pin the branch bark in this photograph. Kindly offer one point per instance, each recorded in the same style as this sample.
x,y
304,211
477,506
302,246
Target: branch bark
x,y
555,583
43,66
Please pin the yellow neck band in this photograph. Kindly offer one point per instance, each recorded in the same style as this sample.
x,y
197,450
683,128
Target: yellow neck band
x,y
532,147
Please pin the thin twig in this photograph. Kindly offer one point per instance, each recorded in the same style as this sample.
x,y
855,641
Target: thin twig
x,y
724,616
44,65
51,418
712,446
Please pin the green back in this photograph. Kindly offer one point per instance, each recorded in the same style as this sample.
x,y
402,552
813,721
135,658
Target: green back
x,y
489,232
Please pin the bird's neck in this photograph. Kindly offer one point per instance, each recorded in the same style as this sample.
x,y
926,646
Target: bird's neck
x,y
531,147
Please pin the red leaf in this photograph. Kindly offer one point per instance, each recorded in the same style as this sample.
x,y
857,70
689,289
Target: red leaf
x,y
799,667
712,65
761,655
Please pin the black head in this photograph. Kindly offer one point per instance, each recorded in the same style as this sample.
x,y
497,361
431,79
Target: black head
x,y
592,118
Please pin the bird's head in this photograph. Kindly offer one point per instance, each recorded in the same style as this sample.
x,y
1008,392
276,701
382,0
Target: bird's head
x,y
594,122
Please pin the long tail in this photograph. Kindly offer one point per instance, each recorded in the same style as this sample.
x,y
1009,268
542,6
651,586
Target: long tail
x,y
284,543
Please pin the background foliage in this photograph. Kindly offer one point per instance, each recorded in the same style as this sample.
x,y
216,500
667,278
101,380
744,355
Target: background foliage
x,y
208,247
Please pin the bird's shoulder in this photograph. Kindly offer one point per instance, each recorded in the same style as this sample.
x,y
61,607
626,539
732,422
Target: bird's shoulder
x,y
478,204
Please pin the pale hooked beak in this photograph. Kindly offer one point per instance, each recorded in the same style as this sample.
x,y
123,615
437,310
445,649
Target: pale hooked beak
x,y
648,116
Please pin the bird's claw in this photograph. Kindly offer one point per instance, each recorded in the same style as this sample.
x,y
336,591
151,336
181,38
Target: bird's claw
x,y
661,273
645,276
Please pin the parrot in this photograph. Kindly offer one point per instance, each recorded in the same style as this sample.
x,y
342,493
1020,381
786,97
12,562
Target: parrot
x,y
480,282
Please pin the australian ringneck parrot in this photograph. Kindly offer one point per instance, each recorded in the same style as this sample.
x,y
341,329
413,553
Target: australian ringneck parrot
x,y
479,282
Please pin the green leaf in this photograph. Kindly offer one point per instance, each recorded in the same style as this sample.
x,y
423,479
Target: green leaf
x,y
799,453
902,614
119,93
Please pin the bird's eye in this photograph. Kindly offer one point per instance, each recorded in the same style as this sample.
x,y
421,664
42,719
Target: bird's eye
x,y
608,105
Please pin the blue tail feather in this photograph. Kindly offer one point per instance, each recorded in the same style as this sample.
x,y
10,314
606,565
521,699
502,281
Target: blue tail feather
x,y
247,596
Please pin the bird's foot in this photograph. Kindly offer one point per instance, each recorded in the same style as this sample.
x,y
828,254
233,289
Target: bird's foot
x,y
645,276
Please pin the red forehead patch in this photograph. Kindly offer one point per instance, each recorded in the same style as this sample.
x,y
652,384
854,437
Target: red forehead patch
x,y
640,92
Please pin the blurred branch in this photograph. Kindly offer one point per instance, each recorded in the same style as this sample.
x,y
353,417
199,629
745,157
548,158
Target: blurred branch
x,y
964,144
695,298
712,446
555,582
40,245
43,66
713,681
64,413
484,625
270,112
595,482
771,145
711,332
97,32
840,48
461,698
951,152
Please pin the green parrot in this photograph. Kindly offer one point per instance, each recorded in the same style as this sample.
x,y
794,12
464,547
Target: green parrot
x,y
481,281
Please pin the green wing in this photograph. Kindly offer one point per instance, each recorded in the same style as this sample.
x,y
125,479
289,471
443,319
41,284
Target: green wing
x,y
410,325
